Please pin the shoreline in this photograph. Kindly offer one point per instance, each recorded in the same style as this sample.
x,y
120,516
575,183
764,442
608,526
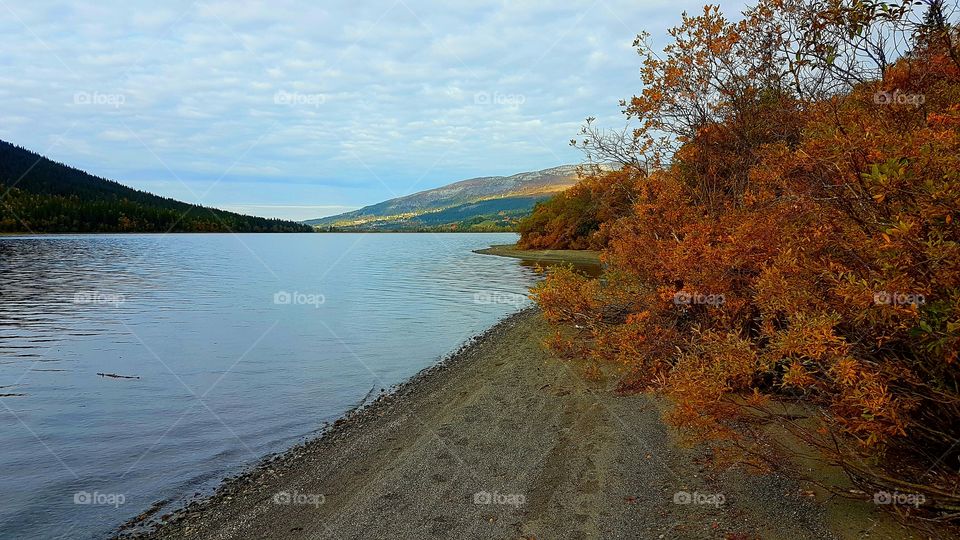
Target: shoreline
x,y
146,526
502,440
575,257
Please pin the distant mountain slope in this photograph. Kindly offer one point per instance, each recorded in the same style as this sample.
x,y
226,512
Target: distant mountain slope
x,y
506,197
41,195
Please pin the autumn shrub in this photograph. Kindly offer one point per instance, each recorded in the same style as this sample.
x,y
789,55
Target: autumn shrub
x,y
576,218
797,239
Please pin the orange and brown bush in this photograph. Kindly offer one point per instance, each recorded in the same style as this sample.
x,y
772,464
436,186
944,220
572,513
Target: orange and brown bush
x,y
578,217
794,238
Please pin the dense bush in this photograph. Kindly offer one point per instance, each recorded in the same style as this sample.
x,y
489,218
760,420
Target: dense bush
x,y
795,239
575,218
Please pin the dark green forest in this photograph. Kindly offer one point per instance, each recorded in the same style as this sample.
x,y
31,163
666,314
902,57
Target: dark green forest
x,y
38,195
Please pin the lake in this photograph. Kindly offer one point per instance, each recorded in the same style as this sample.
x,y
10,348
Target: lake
x,y
240,345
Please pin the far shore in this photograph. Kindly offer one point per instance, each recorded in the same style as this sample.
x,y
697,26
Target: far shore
x,y
180,233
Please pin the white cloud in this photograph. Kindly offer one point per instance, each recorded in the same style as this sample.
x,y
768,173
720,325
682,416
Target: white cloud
x,y
414,93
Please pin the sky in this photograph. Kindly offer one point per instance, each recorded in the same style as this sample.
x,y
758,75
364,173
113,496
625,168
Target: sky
x,y
307,109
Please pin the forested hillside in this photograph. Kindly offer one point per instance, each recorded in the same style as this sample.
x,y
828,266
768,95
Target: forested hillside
x,y
40,195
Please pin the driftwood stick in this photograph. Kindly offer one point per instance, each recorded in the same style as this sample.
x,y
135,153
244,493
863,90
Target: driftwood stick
x,y
115,376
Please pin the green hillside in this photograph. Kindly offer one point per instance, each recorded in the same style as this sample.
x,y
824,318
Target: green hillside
x,y
490,203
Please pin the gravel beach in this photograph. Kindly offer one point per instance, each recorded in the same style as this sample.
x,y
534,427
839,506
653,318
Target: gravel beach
x,y
503,440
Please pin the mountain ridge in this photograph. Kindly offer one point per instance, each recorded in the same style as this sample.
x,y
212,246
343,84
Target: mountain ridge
x,y
507,197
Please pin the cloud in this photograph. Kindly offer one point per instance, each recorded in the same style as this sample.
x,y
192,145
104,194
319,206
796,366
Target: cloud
x,y
294,212
376,98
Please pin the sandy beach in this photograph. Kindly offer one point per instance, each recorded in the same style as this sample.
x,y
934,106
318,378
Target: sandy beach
x,y
504,441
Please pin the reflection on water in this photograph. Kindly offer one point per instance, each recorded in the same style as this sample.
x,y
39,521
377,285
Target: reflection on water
x,y
243,345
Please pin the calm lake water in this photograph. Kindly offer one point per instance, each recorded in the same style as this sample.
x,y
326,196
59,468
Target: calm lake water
x,y
243,344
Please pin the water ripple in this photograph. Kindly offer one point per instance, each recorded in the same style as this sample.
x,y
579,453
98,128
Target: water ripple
x,y
233,356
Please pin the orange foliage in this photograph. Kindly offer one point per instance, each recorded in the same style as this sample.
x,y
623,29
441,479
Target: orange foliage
x,y
576,218
794,239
